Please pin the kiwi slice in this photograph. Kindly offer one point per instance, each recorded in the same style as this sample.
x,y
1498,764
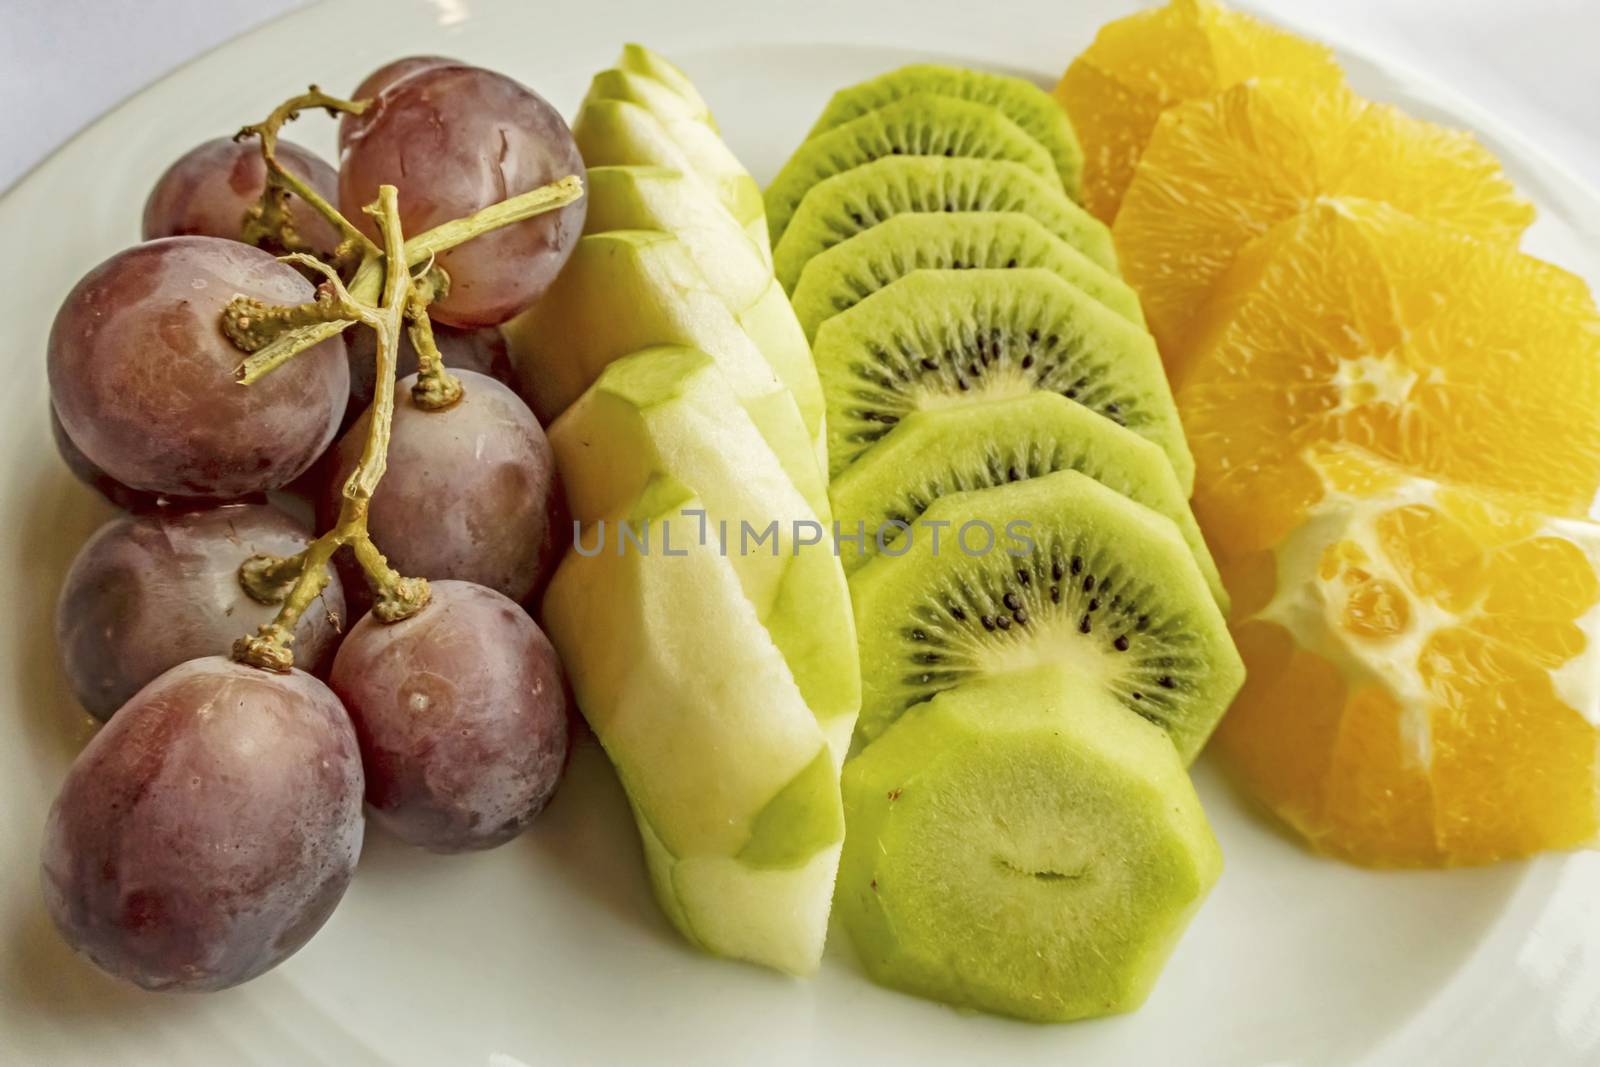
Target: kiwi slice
x,y
938,338
838,208
844,275
922,124
1020,101
1024,846
952,450
1053,569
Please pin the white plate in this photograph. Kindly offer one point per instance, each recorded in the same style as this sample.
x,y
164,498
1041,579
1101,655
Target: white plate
x,y
550,950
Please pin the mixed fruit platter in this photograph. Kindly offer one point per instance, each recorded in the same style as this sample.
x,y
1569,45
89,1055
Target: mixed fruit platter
x,y
902,530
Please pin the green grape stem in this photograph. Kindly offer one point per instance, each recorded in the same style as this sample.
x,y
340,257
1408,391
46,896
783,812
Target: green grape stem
x,y
268,222
435,388
397,597
419,251
389,290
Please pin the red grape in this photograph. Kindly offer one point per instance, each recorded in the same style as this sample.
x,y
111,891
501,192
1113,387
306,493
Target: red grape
x,y
209,830
85,471
145,381
210,188
454,139
381,79
461,712
483,351
148,592
117,493
469,492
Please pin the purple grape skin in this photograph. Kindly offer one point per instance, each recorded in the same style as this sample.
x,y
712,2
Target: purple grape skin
x,y
483,351
470,492
209,829
461,712
148,592
381,79
208,190
145,383
115,492
454,139
85,471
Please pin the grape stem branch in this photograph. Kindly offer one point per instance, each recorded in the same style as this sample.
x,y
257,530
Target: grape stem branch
x,y
268,221
298,580
419,252
435,388
389,290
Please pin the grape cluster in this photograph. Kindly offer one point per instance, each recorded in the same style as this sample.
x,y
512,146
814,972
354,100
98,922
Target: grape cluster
x,y
213,824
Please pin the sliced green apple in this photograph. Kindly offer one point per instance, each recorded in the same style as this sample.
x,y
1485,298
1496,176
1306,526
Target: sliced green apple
x,y
668,412
627,290
614,132
637,59
709,732
658,198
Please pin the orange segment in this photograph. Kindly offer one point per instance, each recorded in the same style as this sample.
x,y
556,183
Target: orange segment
x,y
1514,766
1141,65
1435,556
1280,733
1220,171
1379,805
1354,324
1423,684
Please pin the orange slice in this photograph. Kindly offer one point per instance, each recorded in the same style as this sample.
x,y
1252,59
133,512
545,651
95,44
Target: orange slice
x,y
1141,65
1457,358
1221,171
1424,683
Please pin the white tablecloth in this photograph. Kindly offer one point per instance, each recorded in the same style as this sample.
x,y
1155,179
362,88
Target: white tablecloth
x,y
1534,62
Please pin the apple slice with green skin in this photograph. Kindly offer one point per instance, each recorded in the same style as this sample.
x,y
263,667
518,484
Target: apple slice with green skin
x,y
637,59
769,904
612,132
1022,845
631,289
650,93
657,198
668,412
732,782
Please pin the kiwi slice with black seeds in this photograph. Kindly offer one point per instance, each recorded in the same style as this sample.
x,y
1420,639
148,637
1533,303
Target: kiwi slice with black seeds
x,y
932,454
844,275
1020,101
938,338
922,124
838,208
1075,574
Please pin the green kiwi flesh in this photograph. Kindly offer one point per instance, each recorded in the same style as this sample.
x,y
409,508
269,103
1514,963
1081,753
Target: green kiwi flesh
x,y
940,338
842,206
1075,573
1020,101
847,273
1023,846
931,454
922,124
